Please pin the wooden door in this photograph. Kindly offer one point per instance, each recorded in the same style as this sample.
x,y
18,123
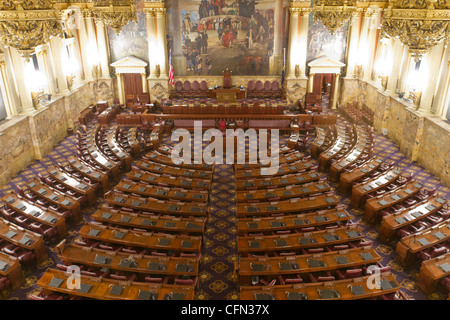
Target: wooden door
x,y
132,84
317,84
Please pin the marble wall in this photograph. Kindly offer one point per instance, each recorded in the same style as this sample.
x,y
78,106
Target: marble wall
x,y
425,139
27,138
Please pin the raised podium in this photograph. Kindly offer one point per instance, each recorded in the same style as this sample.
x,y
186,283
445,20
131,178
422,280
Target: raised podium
x,y
227,93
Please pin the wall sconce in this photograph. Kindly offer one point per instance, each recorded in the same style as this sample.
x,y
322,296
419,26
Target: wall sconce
x,y
297,71
358,71
384,81
36,97
95,71
70,80
416,96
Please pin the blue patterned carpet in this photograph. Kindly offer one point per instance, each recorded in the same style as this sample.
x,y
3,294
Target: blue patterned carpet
x,y
217,279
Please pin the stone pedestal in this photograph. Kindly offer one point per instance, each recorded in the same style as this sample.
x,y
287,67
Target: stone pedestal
x,y
296,89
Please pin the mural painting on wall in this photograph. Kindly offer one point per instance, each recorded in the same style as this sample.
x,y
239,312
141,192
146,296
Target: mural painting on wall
x,y
322,42
234,34
132,39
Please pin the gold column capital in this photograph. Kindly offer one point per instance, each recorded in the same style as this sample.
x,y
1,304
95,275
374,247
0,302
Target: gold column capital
x,y
306,12
160,12
86,13
42,53
295,11
150,12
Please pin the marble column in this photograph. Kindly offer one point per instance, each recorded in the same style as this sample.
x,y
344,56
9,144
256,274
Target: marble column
x,y
293,42
10,111
84,44
276,60
44,68
178,59
120,88
353,45
58,53
303,40
144,83
150,14
311,82
22,82
102,48
336,91
374,22
434,58
396,63
162,43
363,46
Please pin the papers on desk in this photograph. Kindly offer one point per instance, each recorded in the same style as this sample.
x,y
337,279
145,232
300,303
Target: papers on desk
x,y
281,243
186,244
430,207
155,266
51,219
296,296
94,233
193,226
125,219
423,242
42,191
264,296
272,208
342,260
175,296
441,201
287,193
4,266
277,224
147,295
396,197
66,203
102,259
128,263
358,290
163,242
439,235
10,234
313,263
353,234
35,213
366,256
321,218
252,209
170,224
417,214
85,288
341,215
401,220
120,235
55,282
116,290
254,244
181,267
328,294
444,267
331,237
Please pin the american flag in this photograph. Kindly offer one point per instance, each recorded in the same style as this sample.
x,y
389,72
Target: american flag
x,y
283,73
171,80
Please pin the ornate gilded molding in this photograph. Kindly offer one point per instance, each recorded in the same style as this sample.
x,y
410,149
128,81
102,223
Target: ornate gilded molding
x,y
333,13
418,28
115,16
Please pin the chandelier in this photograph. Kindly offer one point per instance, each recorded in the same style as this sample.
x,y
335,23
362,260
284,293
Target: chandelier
x,y
27,24
419,24
333,13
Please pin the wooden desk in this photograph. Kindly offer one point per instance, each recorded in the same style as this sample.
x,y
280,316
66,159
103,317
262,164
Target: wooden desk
x,y
168,181
344,288
150,221
147,240
35,243
431,272
53,196
156,157
230,95
36,213
387,200
348,178
149,191
88,171
320,142
282,193
79,255
108,115
298,241
74,184
283,159
287,206
342,140
363,144
304,220
274,266
11,270
158,206
133,141
390,224
116,148
173,170
101,288
86,116
383,180
285,169
408,246
98,156
278,182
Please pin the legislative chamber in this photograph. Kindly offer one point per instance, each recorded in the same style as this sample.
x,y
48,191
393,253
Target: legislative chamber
x,y
232,150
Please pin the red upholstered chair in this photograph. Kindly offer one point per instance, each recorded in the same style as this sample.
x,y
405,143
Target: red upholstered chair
x,y
204,92
267,89
259,89
349,274
187,89
276,90
195,89
251,87
178,89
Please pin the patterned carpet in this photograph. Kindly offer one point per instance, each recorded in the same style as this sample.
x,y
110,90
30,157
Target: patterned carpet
x,y
217,280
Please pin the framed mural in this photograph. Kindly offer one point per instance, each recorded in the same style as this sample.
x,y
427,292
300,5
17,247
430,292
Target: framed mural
x,y
235,34
132,39
322,42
